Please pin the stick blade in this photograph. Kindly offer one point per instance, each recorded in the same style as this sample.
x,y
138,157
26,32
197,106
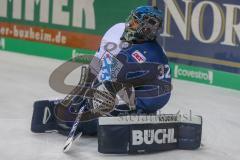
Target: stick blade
x,y
68,144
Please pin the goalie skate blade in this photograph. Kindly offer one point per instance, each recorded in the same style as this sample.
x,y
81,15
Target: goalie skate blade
x,y
78,136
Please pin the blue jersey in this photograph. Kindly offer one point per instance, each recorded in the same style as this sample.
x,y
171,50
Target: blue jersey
x,y
138,54
149,52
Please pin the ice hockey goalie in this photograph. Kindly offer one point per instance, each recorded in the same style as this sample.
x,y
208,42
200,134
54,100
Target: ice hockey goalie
x,y
120,92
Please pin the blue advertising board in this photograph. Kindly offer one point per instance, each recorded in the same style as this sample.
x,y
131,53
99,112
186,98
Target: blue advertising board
x,y
202,33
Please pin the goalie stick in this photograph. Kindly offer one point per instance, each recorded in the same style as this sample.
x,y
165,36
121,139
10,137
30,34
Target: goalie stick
x,y
67,102
72,136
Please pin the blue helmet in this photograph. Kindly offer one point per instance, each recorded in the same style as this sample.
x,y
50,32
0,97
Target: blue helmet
x,y
143,24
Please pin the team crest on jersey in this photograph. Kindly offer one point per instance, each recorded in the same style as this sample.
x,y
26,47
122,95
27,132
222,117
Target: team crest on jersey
x,y
139,57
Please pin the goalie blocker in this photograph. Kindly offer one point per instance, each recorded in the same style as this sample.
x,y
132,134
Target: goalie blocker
x,y
146,134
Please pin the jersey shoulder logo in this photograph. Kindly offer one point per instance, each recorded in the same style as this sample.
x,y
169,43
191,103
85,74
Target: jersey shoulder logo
x,y
138,56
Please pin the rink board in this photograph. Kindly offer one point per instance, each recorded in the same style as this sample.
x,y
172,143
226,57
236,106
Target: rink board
x,y
178,71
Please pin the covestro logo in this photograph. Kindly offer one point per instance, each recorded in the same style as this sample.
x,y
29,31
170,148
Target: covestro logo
x,y
192,74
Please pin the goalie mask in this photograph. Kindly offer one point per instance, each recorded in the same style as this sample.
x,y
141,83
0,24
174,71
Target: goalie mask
x,y
143,24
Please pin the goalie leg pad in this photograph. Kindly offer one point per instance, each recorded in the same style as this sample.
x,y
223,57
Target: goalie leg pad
x,y
44,120
145,134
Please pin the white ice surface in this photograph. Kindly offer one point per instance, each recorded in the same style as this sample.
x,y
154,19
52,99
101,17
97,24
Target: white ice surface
x,y
24,79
